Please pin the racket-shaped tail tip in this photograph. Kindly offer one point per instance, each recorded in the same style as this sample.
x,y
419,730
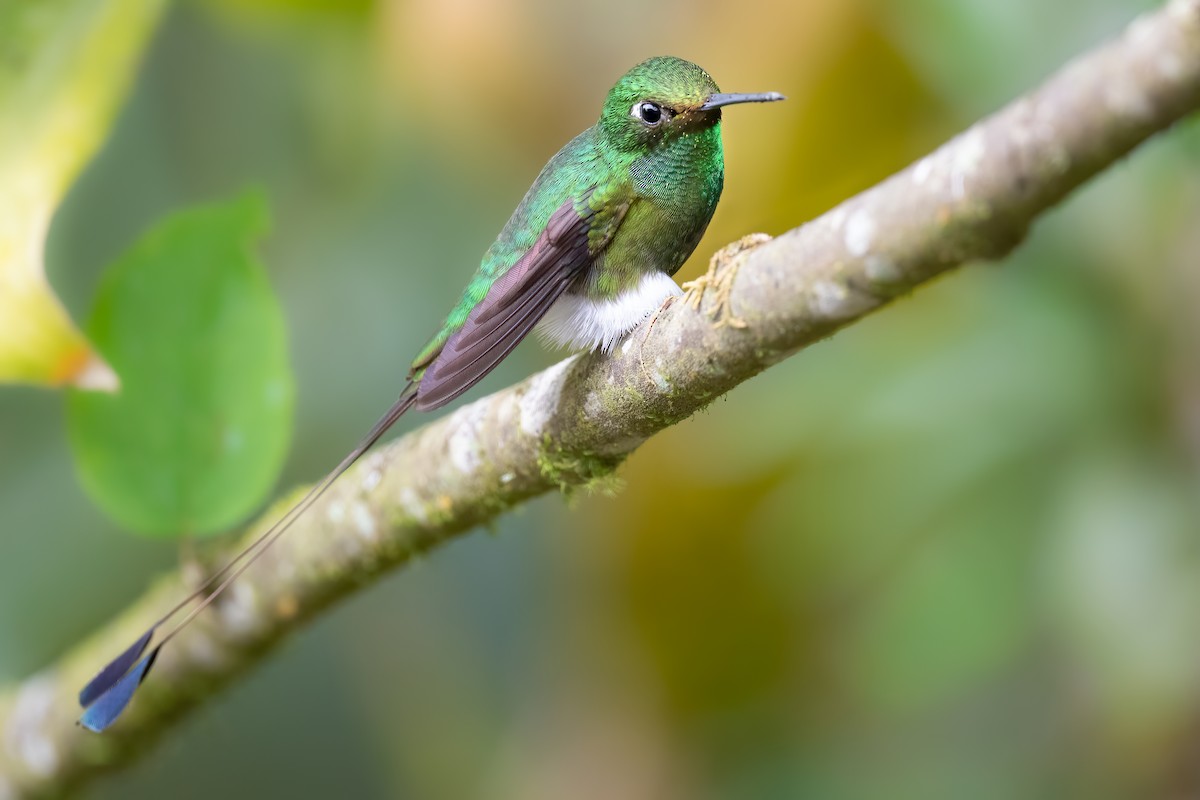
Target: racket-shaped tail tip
x,y
114,670
108,706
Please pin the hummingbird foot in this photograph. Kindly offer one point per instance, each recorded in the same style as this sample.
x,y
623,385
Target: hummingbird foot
x,y
722,269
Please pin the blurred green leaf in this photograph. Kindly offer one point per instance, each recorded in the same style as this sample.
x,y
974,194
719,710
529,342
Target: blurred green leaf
x,y
64,67
197,435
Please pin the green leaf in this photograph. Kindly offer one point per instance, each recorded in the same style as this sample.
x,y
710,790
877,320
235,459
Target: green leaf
x,y
65,65
196,437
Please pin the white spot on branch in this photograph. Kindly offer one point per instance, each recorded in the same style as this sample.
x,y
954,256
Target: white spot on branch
x,y
1126,97
922,171
593,405
860,233
239,611
1142,30
27,739
364,522
836,217
464,441
1185,11
968,153
506,412
541,398
412,505
660,381
39,754
828,298
881,269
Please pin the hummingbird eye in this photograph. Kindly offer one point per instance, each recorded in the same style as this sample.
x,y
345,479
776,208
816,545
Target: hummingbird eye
x,y
647,112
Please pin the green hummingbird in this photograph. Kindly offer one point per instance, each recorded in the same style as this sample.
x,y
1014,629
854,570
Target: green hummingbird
x,y
587,256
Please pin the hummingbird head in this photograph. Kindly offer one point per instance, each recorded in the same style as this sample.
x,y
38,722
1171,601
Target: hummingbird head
x,y
663,98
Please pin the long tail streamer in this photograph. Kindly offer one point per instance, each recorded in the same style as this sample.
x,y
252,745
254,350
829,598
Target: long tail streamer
x,y
107,695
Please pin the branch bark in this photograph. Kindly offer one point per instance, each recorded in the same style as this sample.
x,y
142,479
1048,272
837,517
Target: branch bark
x,y
974,198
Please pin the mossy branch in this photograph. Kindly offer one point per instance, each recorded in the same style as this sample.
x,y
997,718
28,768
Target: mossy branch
x,y
571,425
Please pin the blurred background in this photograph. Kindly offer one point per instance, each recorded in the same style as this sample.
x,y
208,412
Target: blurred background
x,y
954,551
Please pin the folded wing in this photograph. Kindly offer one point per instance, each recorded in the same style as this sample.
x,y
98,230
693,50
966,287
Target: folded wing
x,y
514,304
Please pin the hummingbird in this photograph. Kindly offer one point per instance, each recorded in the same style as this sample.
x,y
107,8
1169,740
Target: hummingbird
x,y
587,256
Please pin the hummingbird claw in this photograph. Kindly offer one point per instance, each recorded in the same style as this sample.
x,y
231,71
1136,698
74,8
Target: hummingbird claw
x,y
666,303
722,269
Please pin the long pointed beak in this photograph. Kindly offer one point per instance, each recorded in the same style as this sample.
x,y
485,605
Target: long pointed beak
x,y
720,99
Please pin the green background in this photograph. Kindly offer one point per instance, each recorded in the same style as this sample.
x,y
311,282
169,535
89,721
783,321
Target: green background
x,y
954,551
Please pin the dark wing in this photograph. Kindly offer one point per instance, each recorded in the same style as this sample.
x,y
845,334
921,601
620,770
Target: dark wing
x,y
513,305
